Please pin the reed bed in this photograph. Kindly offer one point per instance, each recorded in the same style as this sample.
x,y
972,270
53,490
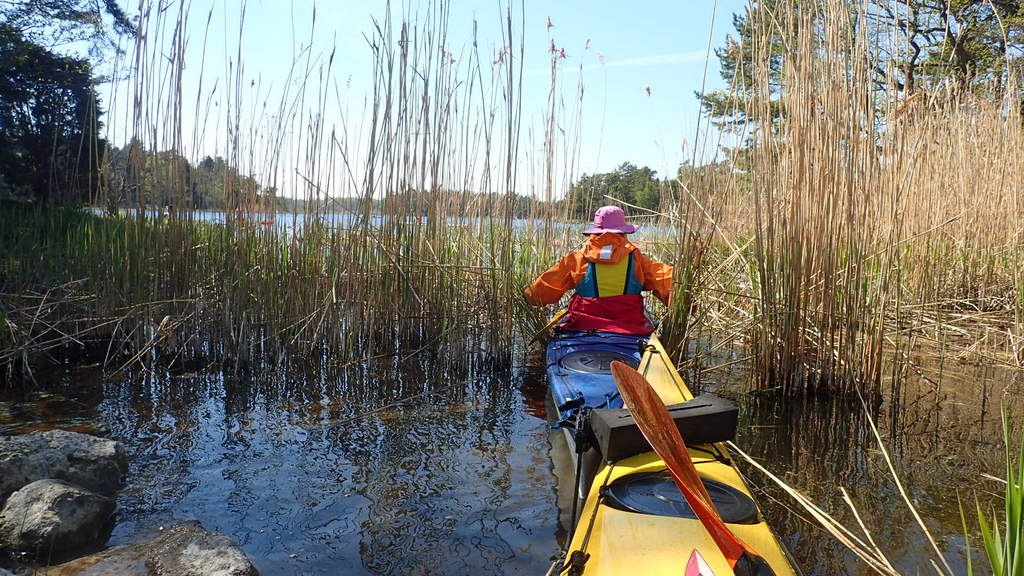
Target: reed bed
x,y
433,253
860,225
862,230
133,290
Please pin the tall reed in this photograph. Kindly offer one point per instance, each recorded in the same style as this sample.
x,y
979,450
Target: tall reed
x,y
432,253
861,219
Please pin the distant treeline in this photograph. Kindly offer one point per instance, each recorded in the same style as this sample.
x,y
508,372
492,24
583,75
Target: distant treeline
x,y
134,177
637,187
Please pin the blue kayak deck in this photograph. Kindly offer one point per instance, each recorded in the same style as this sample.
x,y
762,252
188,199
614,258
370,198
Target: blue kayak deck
x,y
579,373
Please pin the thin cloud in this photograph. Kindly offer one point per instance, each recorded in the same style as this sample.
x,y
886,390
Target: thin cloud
x,y
641,62
649,61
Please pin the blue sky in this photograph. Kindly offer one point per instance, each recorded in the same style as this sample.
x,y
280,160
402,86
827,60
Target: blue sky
x,y
640,63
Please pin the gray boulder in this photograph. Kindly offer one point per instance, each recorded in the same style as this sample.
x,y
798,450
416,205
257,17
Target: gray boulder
x,y
50,517
94,463
187,549
191,550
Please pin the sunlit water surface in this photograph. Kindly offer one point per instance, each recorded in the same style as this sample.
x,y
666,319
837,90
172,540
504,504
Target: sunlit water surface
x,y
316,474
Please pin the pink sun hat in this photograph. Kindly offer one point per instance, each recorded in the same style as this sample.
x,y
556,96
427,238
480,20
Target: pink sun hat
x,y
610,219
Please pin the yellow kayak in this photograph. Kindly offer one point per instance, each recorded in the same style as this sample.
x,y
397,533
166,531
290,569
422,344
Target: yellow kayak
x,y
633,520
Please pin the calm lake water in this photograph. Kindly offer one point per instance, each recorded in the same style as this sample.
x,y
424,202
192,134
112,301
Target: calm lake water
x,y
459,480
289,223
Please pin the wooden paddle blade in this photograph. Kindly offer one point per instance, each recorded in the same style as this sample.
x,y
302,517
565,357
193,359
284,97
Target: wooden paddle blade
x,y
652,417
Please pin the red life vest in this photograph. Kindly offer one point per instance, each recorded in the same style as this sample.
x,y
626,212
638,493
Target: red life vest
x,y
608,299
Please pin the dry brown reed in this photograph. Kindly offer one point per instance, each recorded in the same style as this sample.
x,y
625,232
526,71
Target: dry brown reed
x,y
862,222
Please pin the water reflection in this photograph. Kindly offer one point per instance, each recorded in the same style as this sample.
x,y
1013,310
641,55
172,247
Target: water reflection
x,y
942,435
333,473
454,482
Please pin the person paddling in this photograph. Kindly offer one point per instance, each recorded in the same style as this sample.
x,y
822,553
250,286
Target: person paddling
x,y
609,274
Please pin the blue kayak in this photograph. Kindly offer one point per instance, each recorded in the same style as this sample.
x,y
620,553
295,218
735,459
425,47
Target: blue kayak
x,y
579,369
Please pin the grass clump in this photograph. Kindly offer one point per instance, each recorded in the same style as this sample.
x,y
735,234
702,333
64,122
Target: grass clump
x,y
1004,549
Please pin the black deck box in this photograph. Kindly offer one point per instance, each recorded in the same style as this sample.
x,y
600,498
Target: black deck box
x,y
703,420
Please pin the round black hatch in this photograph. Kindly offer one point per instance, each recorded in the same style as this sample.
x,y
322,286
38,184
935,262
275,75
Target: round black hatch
x,y
656,493
595,361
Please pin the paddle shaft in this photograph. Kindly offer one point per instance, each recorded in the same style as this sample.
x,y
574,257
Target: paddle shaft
x,y
551,324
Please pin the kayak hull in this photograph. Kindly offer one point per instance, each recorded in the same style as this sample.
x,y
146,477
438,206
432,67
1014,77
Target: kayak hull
x,y
622,541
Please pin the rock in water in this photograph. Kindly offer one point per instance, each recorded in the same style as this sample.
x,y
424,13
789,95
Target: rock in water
x,y
185,550
83,460
49,517
191,550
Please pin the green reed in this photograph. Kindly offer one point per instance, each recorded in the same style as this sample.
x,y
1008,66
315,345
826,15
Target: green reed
x,y
1004,549
184,288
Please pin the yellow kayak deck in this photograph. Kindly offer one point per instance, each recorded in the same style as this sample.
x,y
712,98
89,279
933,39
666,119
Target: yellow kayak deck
x,y
622,542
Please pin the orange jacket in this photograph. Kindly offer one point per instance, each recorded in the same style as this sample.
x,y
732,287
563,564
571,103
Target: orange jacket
x,y
549,287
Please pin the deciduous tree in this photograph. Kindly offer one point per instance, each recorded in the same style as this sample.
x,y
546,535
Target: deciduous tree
x,y
49,122
53,23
